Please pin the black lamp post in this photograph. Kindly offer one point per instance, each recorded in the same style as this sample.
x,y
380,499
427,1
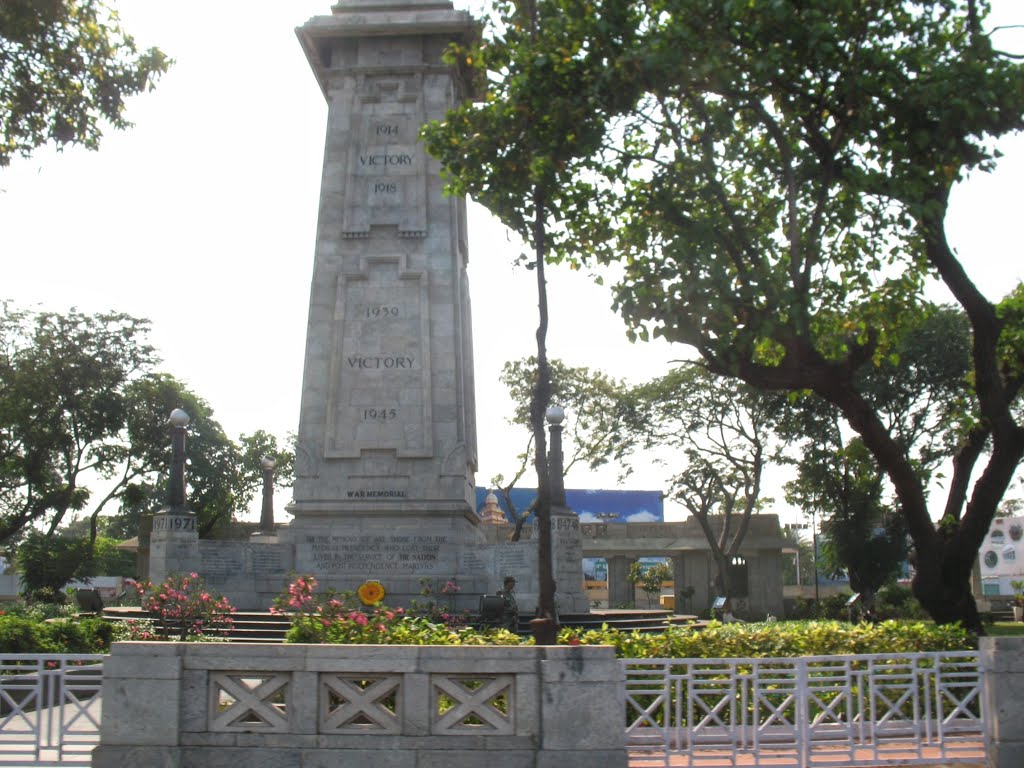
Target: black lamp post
x,y
267,512
555,416
176,484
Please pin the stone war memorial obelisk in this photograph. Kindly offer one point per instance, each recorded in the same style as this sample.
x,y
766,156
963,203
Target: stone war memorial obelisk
x,y
387,448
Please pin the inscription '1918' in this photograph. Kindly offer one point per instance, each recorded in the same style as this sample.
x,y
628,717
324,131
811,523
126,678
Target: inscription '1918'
x,y
369,363
385,188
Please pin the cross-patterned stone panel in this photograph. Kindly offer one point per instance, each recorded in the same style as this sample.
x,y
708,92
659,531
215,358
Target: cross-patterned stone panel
x,y
478,704
249,701
360,703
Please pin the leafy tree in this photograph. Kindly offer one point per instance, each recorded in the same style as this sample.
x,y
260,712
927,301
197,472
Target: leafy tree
x,y
771,180
82,407
721,433
649,577
920,392
48,563
594,403
863,536
62,408
66,67
222,476
804,576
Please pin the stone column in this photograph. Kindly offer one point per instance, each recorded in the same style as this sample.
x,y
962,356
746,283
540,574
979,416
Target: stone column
x,y
679,583
620,591
1002,658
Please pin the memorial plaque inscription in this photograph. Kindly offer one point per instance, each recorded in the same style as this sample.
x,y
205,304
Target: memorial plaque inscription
x,y
372,554
386,174
380,396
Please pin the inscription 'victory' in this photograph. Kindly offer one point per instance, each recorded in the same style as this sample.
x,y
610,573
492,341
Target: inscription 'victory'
x,y
372,363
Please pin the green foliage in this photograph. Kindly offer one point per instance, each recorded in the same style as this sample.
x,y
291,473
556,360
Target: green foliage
x,y
1018,591
769,183
649,577
79,397
328,616
720,431
50,562
596,406
66,68
62,408
20,634
108,560
776,639
898,602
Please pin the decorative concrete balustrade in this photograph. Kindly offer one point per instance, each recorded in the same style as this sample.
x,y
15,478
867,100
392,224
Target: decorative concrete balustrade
x,y
181,705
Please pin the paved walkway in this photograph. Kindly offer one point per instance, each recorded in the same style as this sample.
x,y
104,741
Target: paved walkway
x,y
972,752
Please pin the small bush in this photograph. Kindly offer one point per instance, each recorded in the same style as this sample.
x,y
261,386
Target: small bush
x,y
19,634
898,602
22,635
184,608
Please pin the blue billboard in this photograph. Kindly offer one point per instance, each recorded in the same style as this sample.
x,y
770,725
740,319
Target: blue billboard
x,y
592,506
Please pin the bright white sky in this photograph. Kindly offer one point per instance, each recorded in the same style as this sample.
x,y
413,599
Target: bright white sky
x,y
202,218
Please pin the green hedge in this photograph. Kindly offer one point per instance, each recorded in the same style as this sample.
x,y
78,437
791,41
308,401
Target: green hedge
x,y
777,639
23,635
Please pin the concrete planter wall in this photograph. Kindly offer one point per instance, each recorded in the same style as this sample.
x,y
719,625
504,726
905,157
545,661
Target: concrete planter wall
x,y
184,705
1002,659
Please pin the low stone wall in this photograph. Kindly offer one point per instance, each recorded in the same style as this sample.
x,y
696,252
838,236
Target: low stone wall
x,y
1002,659
186,705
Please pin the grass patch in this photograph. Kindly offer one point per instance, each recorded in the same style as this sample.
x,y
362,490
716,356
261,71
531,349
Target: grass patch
x,y
1005,629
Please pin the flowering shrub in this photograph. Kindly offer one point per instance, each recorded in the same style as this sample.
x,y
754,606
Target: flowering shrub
x,y
136,629
183,608
339,617
441,611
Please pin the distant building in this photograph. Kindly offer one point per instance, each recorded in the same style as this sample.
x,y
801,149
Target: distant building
x,y
1001,557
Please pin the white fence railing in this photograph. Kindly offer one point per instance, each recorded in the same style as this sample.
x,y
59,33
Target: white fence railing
x,y
49,708
802,712
825,710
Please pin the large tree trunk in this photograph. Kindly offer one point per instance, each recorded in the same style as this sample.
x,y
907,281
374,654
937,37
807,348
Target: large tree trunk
x,y
942,584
